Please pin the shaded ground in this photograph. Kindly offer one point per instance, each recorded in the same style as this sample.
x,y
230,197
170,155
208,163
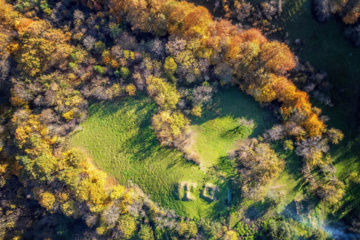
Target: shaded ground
x,y
219,128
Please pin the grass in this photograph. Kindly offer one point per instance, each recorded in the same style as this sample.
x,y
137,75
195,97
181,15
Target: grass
x,y
119,138
326,48
218,129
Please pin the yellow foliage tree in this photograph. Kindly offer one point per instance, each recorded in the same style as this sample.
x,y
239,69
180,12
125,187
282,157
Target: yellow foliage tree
x,y
47,200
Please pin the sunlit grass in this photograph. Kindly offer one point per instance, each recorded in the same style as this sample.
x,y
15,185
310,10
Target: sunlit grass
x,y
119,138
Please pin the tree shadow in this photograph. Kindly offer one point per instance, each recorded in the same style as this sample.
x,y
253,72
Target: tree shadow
x,y
236,104
257,210
351,202
229,195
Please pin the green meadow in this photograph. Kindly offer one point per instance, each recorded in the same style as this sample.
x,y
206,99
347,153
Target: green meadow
x,y
118,137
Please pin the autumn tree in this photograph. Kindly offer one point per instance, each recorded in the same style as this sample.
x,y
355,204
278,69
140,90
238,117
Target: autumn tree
x,y
165,94
47,200
277,57
170,66
42,46
331,192
169,126
312,150
126,226
258,165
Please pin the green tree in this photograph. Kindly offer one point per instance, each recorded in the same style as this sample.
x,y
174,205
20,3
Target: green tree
x,y
165,94
187,229
146,233
126,226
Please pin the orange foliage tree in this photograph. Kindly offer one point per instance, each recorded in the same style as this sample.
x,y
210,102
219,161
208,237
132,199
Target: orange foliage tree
x,y
258,64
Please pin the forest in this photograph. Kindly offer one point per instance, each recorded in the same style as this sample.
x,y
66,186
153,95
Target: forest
x,y
172,119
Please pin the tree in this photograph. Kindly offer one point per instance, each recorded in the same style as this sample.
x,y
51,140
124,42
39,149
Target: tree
x,y
74,158
170,66
117,192
42,46
44,166
334,135
187,230
111,215
280,230
277,57
115,31
126,226
332,192
230,235
146,233
125,72
169,126
47,200
165,94
130,89
312,150
319,234
258,165
314,126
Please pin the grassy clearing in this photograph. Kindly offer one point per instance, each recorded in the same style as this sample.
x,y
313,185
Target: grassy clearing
x,y
218,129
119,138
